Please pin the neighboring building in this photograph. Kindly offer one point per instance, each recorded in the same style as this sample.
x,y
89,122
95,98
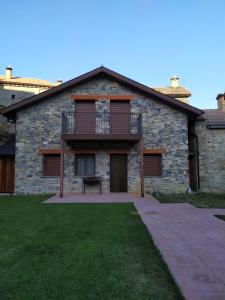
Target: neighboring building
x,y
175,91
14,89
210,130
102,124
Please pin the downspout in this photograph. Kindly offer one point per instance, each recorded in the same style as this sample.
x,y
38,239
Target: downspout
x,y
197,159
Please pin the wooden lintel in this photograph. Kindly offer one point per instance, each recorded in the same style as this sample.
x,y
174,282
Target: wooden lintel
x,y
49,151
105,97
118,151
154,151
83,151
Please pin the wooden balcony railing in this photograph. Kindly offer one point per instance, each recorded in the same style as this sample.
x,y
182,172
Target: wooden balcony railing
x,y
101,123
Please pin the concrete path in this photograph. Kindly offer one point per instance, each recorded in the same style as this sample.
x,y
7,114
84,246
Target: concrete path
x,y
191,241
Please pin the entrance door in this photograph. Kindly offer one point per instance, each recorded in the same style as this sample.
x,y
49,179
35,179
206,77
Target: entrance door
x,y
118,173
6,174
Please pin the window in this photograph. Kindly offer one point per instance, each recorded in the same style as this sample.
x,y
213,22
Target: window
x,y
13,96
84,165
51,165
152,164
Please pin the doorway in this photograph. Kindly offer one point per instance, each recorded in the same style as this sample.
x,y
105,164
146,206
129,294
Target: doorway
x,y
118,173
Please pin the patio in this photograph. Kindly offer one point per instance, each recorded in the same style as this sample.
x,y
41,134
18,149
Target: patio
x,y
98,198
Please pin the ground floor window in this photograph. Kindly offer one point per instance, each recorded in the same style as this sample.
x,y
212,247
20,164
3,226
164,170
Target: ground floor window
x,y
85,165
51,165
152,164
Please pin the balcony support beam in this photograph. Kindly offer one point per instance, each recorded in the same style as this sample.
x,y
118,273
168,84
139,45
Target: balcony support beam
x,y
61,168
141,145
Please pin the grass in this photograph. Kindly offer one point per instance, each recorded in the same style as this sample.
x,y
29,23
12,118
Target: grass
x,y
201,200
78,251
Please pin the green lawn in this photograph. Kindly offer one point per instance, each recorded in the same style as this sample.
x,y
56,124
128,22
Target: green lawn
x,y
202,200
78,251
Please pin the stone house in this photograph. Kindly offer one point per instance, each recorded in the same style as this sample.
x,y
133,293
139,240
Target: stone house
x,y
105,127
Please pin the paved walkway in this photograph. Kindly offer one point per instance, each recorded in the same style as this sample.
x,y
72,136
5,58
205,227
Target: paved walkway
x,y
191,241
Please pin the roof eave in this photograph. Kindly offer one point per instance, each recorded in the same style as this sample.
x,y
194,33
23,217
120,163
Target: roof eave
x,y
190,110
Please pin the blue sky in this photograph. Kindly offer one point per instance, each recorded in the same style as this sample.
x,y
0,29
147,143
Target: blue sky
x,y
146,40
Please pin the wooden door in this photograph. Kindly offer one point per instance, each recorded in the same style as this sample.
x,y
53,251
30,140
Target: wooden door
x,y
6,174
120,117
118,173
85,117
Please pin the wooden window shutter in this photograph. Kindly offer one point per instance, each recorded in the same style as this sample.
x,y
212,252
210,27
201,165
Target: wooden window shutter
x,y
85,115
51,165
120,117
152,164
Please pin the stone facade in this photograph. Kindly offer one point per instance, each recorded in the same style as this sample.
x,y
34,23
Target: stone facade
x,y
211,158
39,126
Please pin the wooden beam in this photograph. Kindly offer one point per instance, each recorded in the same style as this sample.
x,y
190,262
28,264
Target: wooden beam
x,y
103,137
82,151
142,167
49,151
61,168
105,97
154,151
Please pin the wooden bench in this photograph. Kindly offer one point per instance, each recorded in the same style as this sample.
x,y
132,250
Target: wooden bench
x,y
92,180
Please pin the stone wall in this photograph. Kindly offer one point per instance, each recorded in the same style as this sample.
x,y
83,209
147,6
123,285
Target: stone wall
x,y
39,126
211,158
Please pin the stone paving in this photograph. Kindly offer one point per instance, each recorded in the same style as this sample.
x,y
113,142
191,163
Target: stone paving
x,y
191,241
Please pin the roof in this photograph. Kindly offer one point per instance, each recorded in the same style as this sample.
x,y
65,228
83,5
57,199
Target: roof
x,y
215,118
26,81
174,91
11,110
8,149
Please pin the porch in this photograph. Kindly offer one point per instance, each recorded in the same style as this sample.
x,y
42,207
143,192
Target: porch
x,y
98,198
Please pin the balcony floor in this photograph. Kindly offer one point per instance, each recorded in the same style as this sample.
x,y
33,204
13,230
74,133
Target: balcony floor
x,y
102,137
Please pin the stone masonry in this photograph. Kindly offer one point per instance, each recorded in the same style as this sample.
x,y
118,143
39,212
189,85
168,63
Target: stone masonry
x,y
39,126
211,158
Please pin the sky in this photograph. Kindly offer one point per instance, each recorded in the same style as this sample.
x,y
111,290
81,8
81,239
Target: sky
x,y
145,40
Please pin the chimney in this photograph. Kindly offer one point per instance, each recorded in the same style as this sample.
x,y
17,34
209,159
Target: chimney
x,y
174,81
221,102
8,72
59,81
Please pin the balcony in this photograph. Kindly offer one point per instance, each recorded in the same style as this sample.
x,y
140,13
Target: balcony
x,y
101,126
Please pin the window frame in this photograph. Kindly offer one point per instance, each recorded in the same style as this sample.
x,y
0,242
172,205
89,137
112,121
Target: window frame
x,y
85,156
44,156
161,165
